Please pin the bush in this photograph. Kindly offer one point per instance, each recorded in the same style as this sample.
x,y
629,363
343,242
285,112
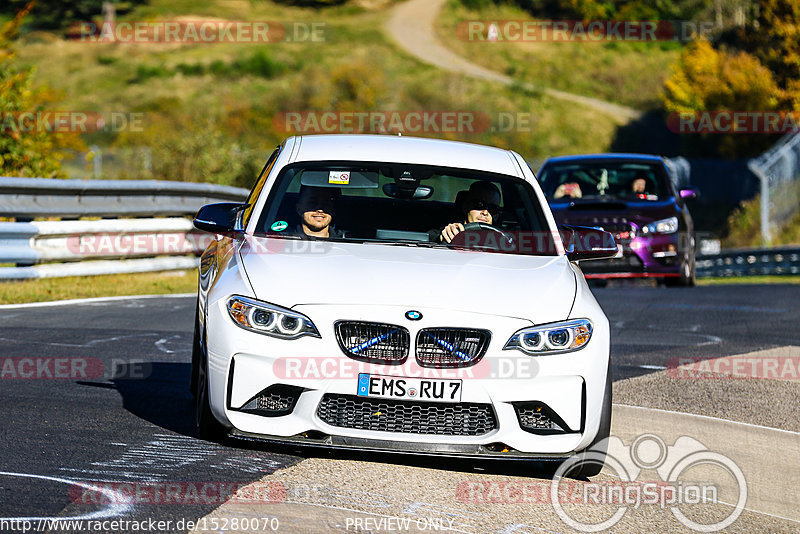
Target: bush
x,y
611,9
197,69
145,72
259,64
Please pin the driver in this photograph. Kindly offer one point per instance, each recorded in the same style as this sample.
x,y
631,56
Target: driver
x,y
481,204
316,207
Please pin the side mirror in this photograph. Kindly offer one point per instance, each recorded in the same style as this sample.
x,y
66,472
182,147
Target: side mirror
x,y
689,193
586,243
218,218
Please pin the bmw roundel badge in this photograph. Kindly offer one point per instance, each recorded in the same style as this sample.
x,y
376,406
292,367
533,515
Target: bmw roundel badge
x,y
413,315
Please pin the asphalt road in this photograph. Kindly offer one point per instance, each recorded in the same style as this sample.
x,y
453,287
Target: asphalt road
x,y
130,420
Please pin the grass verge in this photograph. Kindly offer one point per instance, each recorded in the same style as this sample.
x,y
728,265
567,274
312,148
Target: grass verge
x,y
738,280
49,289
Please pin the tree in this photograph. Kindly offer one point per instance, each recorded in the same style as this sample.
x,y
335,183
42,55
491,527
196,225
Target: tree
x,y
59,14
25,150
705,79
774,38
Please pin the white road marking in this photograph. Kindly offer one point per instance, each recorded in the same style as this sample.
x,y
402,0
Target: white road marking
x,y
154,460
708,417
751,447
87,344
93,300
116,508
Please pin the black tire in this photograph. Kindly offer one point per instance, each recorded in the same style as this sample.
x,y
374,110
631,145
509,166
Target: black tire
x,y
688,276
599,446
208,427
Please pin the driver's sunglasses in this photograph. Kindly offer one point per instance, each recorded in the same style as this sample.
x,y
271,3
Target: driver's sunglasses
x,y
326,205
480,205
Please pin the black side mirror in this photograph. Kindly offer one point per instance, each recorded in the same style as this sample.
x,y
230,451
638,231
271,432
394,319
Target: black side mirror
x,y
587,243
219,218
689,193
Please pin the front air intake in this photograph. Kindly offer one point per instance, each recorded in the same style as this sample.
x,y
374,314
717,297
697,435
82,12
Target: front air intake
x,y
451,347
373,342
276,400
539,418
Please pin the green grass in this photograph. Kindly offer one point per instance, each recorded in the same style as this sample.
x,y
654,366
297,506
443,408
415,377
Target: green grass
x,y
203,103
629,73
738,280
50,289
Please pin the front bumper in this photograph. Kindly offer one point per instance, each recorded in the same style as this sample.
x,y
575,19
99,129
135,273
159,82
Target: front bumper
x,y
642,257
243,364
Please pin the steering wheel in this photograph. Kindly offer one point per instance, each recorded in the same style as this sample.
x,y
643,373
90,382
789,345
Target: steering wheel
x,y
502,239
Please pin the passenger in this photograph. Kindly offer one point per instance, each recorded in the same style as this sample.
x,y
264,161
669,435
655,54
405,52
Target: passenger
x,y
569,190
316,207
480,204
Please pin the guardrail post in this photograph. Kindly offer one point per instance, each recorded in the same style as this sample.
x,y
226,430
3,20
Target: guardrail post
x,y
766,234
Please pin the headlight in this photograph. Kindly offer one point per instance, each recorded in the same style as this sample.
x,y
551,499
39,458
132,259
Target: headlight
x,y
555,338
269,319
664,226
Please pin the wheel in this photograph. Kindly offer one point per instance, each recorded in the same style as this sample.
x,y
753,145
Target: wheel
x,y
599,446
208,427
688,276
504,239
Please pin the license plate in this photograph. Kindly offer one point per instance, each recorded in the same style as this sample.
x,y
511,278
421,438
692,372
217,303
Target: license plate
x,y
398,387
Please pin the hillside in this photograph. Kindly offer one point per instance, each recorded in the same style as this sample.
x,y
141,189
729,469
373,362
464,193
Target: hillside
x,y
211,112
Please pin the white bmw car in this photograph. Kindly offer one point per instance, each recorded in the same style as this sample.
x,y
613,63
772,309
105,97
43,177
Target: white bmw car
x,y
400,294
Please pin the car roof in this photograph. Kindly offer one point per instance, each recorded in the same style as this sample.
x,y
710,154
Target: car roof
x,y
403,149
651,158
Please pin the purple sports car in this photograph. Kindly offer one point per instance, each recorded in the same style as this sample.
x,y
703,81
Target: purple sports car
x,y
633,197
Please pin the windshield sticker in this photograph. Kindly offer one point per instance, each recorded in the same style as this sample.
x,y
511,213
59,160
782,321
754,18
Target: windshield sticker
x,y
339,177
279,226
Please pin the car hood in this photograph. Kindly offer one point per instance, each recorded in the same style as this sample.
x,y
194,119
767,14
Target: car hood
x,y
290,273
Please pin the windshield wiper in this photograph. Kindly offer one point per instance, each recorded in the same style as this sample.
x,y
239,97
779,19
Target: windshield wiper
x,y
403,242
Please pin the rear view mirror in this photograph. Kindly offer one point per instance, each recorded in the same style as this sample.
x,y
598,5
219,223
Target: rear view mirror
x,y
218,218
420,192
586,243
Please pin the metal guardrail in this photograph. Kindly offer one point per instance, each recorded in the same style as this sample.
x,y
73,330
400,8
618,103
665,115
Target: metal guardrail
x,y
162,239
45,197
156,243
750,262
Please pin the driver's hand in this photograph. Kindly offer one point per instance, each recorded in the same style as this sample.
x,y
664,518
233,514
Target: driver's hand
x,y
450,231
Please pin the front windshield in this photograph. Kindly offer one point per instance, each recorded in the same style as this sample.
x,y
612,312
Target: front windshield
x,y
601,180
404,204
